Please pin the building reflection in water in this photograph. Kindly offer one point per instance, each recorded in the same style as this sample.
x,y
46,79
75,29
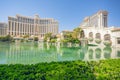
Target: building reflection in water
x,y
107,52
31,53
118,53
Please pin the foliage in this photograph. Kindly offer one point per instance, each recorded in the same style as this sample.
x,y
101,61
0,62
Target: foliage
x,y
47,36
90,39
78,33
50,37
72,70
6,38
107,43
53,40
36,39
106,69
74,36
72,40
67,37
26,36
98,41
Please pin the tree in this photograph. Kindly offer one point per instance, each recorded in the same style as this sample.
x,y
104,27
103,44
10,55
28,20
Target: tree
x,y
68,37
47,36
6,38
78,33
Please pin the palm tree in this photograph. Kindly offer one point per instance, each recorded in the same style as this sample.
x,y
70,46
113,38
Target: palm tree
x,y
78,33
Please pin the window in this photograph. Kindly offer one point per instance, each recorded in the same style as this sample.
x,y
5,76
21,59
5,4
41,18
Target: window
x,y
118,53
9,25
98,36
82,34
105,20
118,40
91,34
19,19
107,37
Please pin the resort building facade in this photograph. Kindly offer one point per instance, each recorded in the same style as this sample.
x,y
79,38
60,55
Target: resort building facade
x,y
3,29
33,26
97,31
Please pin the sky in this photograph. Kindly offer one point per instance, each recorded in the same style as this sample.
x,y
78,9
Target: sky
x,y
69,13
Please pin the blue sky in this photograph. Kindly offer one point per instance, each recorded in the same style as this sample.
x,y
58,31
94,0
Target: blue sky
x,y
69,13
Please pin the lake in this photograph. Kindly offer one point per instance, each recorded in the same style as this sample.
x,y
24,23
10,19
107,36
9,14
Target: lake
x,y
33,52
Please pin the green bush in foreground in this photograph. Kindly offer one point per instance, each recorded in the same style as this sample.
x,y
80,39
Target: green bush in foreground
x,y
73,70
107,69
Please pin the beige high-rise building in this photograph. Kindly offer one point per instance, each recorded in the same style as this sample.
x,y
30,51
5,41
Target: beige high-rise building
x,y
3,29
33,26
98,20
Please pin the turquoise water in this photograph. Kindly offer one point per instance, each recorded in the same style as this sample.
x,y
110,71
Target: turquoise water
x,y
32,53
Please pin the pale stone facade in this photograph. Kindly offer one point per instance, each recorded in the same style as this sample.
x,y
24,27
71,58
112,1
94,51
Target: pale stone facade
x,y
98,20
97,31
3,29
21,25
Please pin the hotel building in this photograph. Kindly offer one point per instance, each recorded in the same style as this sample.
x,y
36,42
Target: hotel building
x,y
33,26
97,31
3,29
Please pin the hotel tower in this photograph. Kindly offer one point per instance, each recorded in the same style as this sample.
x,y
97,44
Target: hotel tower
x,y
3,29
33,26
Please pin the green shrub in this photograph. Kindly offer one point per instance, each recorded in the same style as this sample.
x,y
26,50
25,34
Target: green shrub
x,y
107,43
36,39
68,70
6,38
53,40
90,39
98,41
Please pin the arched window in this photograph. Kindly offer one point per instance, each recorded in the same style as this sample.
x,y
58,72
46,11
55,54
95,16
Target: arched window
x,y
91,34
98,36
82,34
107,37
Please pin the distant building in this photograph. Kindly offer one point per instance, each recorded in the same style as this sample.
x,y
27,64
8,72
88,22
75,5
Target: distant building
x,y
3,29
97,31
21,25
98,20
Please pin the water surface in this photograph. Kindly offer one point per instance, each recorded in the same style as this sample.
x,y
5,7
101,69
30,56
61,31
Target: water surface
x,y
32,53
